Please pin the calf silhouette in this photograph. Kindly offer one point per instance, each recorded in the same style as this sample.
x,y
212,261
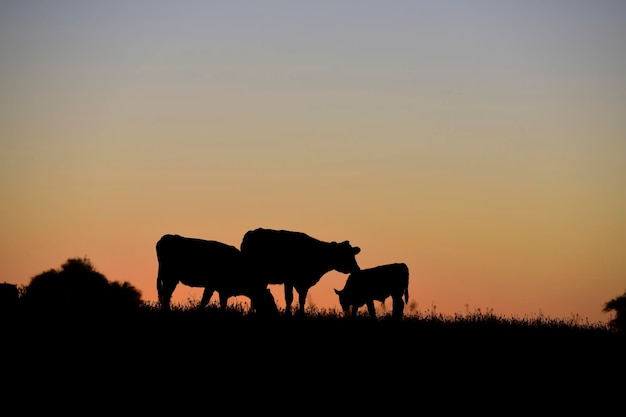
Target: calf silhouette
x,y
378,283
210,264
295,259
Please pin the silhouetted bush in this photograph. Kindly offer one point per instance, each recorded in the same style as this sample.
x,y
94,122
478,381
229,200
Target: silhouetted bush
x,y
125,295
9,296
77,287
618,305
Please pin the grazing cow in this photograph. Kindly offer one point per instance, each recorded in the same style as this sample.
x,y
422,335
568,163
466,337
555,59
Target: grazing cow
x,y
213,265
378,283
295,259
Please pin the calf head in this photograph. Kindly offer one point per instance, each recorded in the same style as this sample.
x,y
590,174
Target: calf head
x,y
344,299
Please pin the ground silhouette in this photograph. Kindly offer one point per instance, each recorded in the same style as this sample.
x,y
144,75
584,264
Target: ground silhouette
x,y
187,355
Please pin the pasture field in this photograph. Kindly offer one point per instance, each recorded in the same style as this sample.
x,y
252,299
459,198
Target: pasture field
x,y
156,361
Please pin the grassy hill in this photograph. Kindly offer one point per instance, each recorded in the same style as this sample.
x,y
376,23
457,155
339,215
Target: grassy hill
x,y
321,361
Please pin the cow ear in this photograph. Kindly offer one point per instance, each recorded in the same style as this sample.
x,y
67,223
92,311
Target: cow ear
x,y
356,250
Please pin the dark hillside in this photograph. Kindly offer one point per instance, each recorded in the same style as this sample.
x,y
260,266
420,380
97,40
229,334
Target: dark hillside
x,y
203,356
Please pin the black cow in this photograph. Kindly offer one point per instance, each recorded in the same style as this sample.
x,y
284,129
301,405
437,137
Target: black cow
x,y
210,264
295,259
378,283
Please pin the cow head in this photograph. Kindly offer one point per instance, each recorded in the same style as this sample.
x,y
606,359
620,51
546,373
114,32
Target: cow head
x,y
263,303
345,257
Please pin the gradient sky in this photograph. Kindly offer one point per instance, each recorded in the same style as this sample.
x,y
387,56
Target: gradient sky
x,y
483,143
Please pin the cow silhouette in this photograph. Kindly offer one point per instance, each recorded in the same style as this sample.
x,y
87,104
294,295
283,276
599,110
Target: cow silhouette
x,y
295,259
379,283
209,264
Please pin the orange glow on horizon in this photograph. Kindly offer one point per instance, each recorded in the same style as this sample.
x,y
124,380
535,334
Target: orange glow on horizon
x,y
451,140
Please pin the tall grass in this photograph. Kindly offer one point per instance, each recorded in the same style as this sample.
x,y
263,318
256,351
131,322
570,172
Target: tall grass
x,y
478,315
208,355
478,319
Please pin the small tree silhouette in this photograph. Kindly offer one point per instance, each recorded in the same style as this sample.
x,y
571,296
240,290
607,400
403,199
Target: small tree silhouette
x,y
78,287
618,305
9,296
126,296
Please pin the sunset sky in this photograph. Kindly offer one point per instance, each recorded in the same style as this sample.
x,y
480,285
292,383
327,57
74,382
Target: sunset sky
x,y
483,143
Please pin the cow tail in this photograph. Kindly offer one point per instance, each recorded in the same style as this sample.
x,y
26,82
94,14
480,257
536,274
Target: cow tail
x,y
406,294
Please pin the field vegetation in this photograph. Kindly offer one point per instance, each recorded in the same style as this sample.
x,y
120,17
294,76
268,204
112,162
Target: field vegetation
x,y
321,360
429,362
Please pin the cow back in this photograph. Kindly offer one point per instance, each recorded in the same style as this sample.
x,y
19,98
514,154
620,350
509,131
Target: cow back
x,y
196,259
280,255
377,283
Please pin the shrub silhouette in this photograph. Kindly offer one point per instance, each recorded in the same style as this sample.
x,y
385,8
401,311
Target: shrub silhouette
x,y
9,296
618,305
78,287
124,295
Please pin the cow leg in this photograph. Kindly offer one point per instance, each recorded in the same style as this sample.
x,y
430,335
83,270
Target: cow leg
x,y
355,310
288,298
302,299
223,301
206,296
371,309
165,289
398,307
